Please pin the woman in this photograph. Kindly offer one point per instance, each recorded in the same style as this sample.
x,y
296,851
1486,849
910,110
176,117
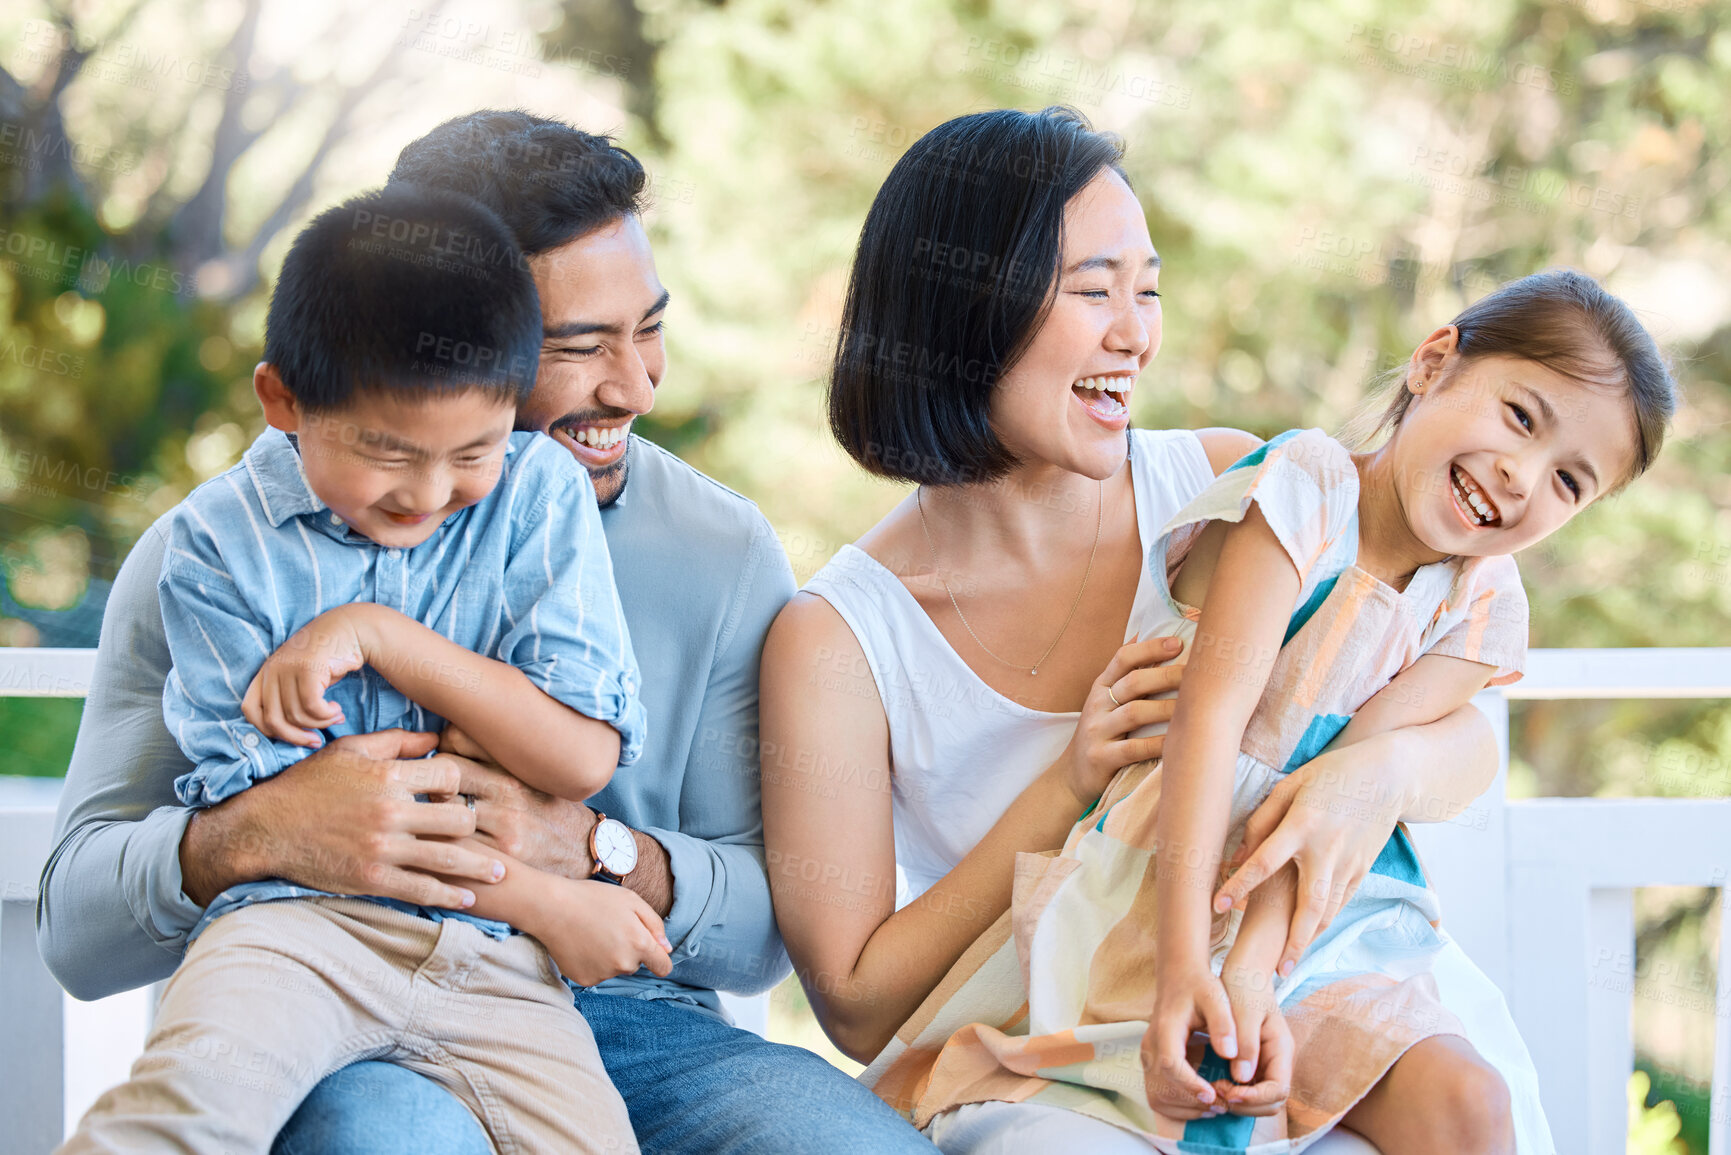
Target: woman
x,y
958,687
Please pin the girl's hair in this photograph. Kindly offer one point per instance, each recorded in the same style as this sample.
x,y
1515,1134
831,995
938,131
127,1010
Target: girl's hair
x,y
1568,323
956,270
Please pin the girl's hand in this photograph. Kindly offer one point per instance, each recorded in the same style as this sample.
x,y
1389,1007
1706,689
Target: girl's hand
x,y
1331,817
286,700
1187,998
1101,746
1262,1073
595,931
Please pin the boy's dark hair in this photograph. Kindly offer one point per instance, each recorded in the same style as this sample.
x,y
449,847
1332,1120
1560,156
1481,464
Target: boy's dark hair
x,y
404,289
549,182
1568,323
955,273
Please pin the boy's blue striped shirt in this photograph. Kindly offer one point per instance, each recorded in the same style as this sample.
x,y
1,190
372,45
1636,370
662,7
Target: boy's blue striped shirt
x,y
253,555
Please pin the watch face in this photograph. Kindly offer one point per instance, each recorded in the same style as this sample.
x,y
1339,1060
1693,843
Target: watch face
x,y
615,848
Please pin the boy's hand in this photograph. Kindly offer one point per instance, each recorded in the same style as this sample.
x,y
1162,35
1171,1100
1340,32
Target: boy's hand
x,y
1187,997
453,740
286,700
1261,1075
597,930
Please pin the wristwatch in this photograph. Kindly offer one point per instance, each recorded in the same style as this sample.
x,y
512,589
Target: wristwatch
x,y
614,849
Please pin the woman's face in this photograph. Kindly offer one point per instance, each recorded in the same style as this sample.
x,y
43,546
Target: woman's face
x,y
1066,402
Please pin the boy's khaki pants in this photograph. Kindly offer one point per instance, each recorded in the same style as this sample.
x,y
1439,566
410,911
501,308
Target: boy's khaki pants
x,y
273,997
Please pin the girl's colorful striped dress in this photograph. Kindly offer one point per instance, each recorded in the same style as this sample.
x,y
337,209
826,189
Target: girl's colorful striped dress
x,y
1051,1004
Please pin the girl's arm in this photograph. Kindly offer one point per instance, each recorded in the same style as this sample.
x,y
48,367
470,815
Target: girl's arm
x,y
829,834
539,739
1251,592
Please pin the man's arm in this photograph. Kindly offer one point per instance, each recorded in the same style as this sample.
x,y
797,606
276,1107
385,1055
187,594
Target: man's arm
x,y
110,914
722,922
706,879
115,906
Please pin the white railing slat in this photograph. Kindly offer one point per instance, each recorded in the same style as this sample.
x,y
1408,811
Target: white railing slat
x,y
1538,892
45,673
1610,1015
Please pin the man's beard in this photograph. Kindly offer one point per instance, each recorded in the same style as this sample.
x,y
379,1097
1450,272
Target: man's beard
x,y
610,482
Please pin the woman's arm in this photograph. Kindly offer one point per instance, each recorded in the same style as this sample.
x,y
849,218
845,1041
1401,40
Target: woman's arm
x,y
830,837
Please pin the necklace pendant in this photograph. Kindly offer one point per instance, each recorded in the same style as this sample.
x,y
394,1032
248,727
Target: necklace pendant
x,y
1034,673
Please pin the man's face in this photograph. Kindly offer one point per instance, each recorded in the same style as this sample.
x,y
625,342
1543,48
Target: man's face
x,y
601,349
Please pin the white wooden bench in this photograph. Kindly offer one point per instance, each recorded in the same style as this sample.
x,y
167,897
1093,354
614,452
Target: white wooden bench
x,y
1539,892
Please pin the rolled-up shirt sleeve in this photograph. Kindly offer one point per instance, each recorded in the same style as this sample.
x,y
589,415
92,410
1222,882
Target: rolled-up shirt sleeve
x,y
564,627
110,913
722,923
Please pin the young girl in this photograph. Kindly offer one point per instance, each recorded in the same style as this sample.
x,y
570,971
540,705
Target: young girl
x,y
1324,596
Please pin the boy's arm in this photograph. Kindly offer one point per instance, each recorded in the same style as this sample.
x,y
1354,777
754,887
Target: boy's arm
x,y
594,930
544,742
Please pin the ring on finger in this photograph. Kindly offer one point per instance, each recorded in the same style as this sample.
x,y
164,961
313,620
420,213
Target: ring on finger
x,y
1115,702
469,801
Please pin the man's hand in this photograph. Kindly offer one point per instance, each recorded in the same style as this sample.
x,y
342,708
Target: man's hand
x,y
344,820
548,833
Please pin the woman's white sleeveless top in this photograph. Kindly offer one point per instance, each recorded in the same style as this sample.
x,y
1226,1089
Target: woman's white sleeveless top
x,y
960,752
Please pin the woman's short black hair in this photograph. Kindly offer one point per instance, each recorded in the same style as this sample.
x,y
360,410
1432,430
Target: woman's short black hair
x,y
549,182
404,290
956,270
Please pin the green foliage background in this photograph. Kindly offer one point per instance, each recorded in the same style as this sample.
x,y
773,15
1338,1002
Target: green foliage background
x,y
1326,181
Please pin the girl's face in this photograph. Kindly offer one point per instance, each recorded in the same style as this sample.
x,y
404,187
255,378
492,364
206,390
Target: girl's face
x,y
1497,453
1066,402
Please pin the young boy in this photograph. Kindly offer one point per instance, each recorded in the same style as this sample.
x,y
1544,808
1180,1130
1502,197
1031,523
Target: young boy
x,y
390,554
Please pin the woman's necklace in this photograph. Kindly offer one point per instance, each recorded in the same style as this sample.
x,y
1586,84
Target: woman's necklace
x,y
1034,670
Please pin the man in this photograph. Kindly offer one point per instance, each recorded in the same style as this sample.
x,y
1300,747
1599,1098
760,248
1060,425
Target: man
x,y
701,577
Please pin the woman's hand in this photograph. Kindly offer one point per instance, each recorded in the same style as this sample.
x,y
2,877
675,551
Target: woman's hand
x,y
1331,817
1102,745
286,700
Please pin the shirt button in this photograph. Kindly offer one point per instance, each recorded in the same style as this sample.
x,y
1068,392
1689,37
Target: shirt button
x,y
335,520
249,740
394,554
629,683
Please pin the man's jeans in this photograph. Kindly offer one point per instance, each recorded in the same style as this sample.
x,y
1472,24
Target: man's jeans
x,y
692,1084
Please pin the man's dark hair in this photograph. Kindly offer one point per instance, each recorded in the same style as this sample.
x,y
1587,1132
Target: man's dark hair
x,y
549,182
404,289
956,271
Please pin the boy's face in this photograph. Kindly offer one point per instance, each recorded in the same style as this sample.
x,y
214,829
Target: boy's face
x,y
602,353
395,467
